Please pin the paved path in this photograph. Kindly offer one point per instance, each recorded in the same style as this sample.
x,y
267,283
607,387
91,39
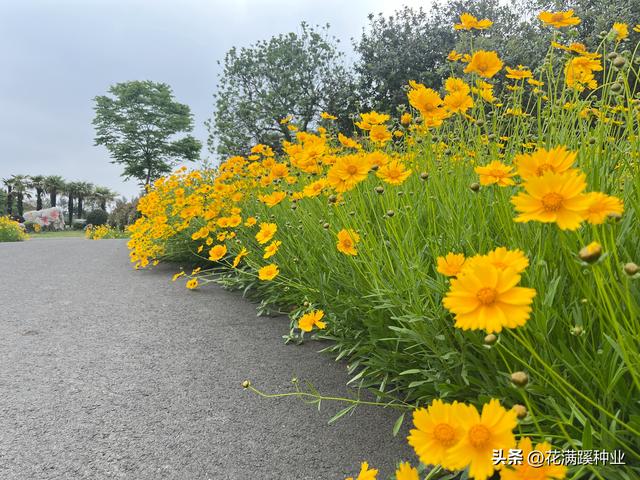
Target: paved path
x,y
110,373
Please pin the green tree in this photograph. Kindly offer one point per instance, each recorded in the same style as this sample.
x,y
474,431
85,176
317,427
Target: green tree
x,y
37,183
139,125
82,191
103,195
408,45
54,184
70,189
298,74
20,189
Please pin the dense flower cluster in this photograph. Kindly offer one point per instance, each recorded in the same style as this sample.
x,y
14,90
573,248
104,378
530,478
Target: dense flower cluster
x,y
486,188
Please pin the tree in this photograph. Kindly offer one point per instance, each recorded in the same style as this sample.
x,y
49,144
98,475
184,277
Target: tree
x,y
20,187
53,184
37,183
408,45
71,188
83,190
293,74
103,195
138,125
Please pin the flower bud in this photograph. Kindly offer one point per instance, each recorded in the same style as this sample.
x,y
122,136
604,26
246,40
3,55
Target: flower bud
x,y
519,379
424,175
246,384
379,189
475,186
325,226
577,330
619,62
390,213
591,252
333,198
631,269
490,339
521,410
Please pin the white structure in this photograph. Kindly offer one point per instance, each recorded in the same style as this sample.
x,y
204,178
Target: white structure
x,y
46,217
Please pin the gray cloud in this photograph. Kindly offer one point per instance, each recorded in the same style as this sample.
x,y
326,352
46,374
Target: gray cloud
x,y
56,56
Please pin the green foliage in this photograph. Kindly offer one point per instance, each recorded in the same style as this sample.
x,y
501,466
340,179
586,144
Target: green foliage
x,y
97,217
123,214
138,125
297,74
10,231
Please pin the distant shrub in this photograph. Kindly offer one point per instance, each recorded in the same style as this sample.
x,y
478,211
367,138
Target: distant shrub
x,y
78,223
123,214
97,217
11,231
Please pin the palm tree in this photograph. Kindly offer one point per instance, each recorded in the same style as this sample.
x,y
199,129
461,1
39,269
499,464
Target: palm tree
x,y
20,184
37,183
7,183
83,190
70,189
54,184
103,195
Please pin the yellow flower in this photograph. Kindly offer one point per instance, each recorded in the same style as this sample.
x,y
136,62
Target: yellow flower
x,y
553,197
393,172
327,116
501,258
458,102
495,172
271,249
437,430
485,90
177,276
266,233
379,134
406,118
601,205
621,30
371,118
486,64
468,22
406,472
250,222
268,272
455,85
483,433
426,100
484,297
454,56
536,164
311,319
559,19
347,240
243,253
217,252
348,142
519,73
347,172
535,472
578,73
451,265
637,28
366,473
191,284
272,199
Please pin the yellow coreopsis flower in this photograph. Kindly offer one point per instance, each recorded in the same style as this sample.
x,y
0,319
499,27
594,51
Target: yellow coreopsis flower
x,y
250,222
327,116
347,240
266,233
553,198
426,100
502,258
451,264
536,164
271,249
347,172
272,199
379,134
437,430
454,56
495,172
538,471
243,253
458,102
393,172
482,434
406,118
268,272
311,319
469,22
372,118
600,206
484,63
366,473
191,284
455,85
484,297
217,252
559,19
519,73
406,472
621,30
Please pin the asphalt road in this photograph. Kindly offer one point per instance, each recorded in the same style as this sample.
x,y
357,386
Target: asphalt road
x,y
111,373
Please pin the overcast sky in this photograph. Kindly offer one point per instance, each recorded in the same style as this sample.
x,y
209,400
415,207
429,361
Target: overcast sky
x,y
58,55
